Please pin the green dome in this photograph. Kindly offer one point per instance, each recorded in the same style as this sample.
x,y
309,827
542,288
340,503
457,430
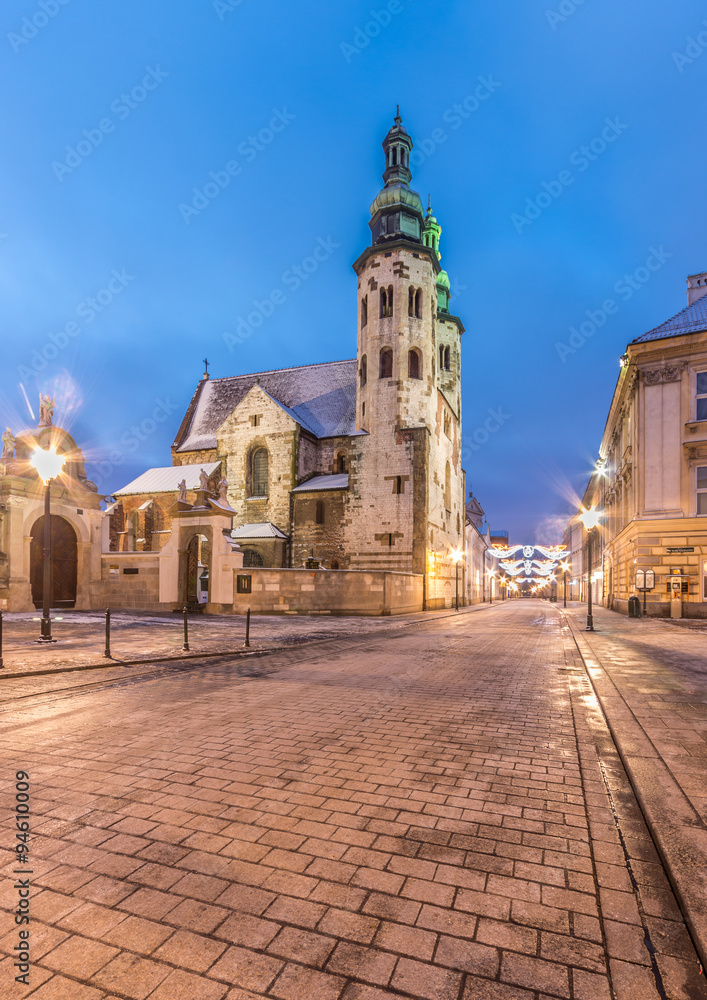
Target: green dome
x,y
443,279
396,194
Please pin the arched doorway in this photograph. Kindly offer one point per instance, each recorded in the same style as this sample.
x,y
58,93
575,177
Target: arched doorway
x,y
197,564
64,563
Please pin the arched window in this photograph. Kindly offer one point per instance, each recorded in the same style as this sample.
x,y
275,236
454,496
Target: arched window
x,y
383,302
260,473
252,558
411,301
447,487
363,371
414,364
390,300
364,311
447,364
418,303
386,363
319,512
341,462
441,357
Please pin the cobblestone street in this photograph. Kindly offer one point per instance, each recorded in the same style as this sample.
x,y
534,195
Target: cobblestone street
x,y
437,812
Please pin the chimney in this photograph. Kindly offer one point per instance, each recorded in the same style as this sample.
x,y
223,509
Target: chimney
x,y
696,287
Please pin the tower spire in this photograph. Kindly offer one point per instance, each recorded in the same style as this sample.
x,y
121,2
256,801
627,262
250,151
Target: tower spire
x,y
397,212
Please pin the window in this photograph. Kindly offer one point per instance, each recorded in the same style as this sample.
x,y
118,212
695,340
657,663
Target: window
x,y
363,372
386,301
414,365
363,410
441,357
243,583
398,486
319,512
418,303
391,540
701,482
447,364
260,473
411,301
255,420
334,564
252,558
390,300
386,363
364,311
448,487
341,462
701,393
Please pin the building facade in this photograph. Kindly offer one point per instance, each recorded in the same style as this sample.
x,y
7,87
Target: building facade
x,y
650,480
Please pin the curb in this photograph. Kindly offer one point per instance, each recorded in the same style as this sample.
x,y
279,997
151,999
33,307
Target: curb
x,y
239,651
677,830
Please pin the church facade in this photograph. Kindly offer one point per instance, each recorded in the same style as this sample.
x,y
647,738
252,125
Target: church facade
x,y
348,465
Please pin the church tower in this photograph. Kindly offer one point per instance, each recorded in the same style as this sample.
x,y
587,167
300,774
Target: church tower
x,y
409,367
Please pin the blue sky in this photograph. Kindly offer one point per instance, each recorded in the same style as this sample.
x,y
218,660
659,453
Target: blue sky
x,y
115,113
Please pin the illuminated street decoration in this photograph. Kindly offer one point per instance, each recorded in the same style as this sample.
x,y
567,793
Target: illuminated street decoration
x,y
534,568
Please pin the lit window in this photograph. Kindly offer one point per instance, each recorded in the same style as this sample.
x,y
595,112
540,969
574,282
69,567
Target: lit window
x,y
701,480
701,396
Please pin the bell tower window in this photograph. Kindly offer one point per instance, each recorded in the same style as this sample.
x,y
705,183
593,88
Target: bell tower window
x,y
414,364
418,303
411,301
363,371
364,311
386,363
383,302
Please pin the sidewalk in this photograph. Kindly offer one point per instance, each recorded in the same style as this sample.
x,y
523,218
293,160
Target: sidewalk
x,y
146,638
650,677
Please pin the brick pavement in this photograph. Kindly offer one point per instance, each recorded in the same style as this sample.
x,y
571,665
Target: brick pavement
x,y
439,814
143,637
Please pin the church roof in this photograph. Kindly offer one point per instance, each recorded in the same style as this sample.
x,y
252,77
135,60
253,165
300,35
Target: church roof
x,y
339,481
690,320
167,480
321,398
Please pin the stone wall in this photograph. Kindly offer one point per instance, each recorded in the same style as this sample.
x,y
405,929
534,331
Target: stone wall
x,y
131,581
337,592
326,540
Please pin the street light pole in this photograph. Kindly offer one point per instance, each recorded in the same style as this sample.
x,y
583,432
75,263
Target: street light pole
x,y
590,619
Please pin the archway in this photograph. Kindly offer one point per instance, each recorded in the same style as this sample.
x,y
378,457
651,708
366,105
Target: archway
x,y
197,565
64,563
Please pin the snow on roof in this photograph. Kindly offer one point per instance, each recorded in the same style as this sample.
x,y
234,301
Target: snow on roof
x,y
263,529
167,480
693,319
322,398
340,481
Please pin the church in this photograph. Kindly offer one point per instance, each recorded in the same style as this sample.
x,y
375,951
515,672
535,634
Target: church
x,y
343,465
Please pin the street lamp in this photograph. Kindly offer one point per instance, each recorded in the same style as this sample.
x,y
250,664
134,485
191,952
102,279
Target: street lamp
x,y
564,566
590,519
457,557
48,466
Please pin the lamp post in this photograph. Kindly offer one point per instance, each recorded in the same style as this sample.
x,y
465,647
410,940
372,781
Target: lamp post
x,y
457,557
48,465
590,519
564,566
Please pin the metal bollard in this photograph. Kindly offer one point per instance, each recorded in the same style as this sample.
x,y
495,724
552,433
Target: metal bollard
x,y
107,652
185,647
247,628
1,663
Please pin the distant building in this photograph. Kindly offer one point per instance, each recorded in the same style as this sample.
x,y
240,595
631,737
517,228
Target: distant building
x,y
651,476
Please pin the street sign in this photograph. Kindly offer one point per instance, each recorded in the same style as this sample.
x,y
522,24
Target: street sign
x,y
681,548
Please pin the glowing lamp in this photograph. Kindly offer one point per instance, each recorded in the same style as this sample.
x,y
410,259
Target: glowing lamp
x,y
591,518
456,555
47,463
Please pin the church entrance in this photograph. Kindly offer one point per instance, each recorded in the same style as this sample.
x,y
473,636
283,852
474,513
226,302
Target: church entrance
x,y
64,563
197,561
